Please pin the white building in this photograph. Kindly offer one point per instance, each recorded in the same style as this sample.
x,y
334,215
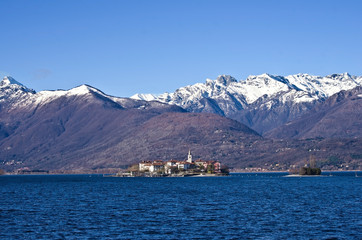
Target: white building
x,y
144,166
155,167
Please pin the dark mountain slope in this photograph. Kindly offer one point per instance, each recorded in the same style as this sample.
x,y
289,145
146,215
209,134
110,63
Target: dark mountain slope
x,y
89,131
70,131
171,135
261,102
338,117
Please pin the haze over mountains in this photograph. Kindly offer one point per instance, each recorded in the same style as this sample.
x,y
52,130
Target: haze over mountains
x,y
85,129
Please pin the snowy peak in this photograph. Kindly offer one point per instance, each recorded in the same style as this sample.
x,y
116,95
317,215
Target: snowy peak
x,y
323,87
145,97
261,101
260,86
339,76
268,80
225,80
15,94
9,86
7,80
82,90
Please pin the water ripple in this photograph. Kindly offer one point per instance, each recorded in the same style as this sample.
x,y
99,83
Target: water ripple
x,y
245,206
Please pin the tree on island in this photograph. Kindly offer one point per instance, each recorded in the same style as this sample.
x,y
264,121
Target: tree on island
x,y
224,169
175,170
133,168
308,169
210,169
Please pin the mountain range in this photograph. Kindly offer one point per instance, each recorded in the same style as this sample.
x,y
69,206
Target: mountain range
x,y
337,117
261,102
84,129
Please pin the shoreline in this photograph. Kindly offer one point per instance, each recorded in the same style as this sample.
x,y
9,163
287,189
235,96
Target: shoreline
x,y
323,171
94,173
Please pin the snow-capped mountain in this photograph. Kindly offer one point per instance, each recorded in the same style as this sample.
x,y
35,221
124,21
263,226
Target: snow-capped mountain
x,y
145,97
262,102
12,91
15,95
83,128
337,117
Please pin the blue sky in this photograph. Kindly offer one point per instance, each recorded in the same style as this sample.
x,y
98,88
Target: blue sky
x,y
135,46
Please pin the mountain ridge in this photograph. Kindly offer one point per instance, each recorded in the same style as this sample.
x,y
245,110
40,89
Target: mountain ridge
x,y
262,102
338,116
84,129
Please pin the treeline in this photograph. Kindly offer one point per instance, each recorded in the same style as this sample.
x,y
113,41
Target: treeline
x,y
309,171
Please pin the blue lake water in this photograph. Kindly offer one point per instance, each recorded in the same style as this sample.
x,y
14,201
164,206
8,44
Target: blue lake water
x,y
241,206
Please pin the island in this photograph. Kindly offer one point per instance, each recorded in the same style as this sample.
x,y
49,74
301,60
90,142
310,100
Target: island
x,y
175,168
309,169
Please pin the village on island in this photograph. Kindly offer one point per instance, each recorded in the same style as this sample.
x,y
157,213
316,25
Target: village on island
x,y
174,168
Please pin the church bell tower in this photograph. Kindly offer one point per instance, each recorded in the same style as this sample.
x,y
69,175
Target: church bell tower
x,y
189,157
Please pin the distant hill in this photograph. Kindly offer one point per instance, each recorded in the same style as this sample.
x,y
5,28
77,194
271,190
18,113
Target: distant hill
x,y
338,117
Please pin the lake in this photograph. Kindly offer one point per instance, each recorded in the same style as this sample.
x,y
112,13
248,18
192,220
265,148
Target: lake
x,y
240,206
